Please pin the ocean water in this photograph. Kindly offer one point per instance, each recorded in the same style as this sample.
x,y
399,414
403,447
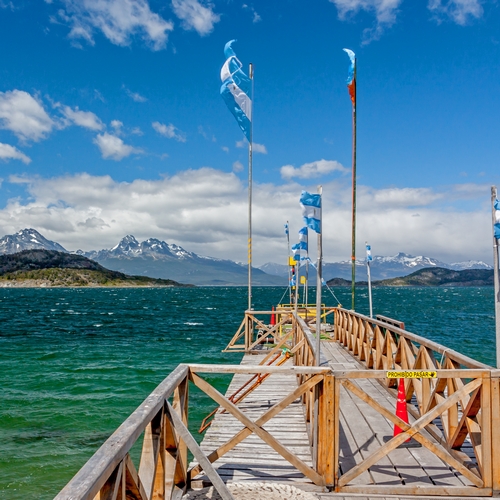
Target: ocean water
x,y
74,363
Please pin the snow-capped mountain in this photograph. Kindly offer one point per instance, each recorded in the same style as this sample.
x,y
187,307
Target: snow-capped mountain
x,y
27,239
381,267
130,247
158,259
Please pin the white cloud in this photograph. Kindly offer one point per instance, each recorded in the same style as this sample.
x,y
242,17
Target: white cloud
x,y
24,115
113,147
311,170
135,96
459,11
196,16
116,124
84,211
169,131
385,13
118,20
8,152
85,119
225,149
256,147
238,166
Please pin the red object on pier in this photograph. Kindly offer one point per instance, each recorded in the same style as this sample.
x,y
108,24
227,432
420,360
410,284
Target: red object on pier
x,y
273,318
401,409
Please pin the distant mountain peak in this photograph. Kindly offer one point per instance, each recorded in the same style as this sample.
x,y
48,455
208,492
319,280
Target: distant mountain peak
x,y
27,239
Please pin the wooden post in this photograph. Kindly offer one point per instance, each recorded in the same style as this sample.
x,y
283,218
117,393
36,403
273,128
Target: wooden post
x,y
495,431
326,434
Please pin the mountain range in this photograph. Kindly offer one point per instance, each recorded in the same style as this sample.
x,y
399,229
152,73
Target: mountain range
x,y
158,259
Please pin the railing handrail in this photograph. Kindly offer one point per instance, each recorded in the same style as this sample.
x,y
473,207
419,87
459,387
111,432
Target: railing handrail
x,y
91,477
434,346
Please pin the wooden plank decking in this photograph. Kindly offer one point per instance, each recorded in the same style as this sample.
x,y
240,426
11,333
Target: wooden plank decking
x,y
252,459
362,432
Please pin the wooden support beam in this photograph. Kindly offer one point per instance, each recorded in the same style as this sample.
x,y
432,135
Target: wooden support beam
x,y
195,449
262,433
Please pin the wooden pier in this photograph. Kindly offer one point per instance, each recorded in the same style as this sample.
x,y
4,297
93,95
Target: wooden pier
x,y
325,430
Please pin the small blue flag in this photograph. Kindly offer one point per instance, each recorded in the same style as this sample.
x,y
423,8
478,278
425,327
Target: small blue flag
x,y
236,90
369,257
496,227
303,239
286,228
311,210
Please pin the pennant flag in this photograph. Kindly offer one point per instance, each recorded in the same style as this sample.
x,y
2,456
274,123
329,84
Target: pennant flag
x,y
369,257
496,227
351,77
236,90
296,252
286,229
311,210
303,239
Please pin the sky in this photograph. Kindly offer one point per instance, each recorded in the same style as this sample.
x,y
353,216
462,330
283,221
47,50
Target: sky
x,y
111,123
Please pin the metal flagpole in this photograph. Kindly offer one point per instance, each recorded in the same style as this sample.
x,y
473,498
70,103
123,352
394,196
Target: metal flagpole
x,y
368,259
250,74
353,254
318,278
496,273
288,263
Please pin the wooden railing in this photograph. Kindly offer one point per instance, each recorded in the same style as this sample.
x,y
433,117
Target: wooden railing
x,y
461,403
255,328
161,422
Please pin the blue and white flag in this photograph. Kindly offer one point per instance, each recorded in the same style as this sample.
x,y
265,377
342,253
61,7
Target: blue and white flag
x,y
303,239
496,227
236,90
296,252
286,229
369,257
311,210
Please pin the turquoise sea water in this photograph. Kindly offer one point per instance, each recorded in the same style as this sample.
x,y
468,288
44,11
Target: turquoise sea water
x,y
74,363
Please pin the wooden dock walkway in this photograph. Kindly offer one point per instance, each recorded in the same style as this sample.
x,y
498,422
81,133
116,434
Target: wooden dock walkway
x,y
252,459
362,431
312,432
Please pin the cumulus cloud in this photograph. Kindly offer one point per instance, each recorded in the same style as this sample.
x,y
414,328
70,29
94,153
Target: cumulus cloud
x,y
256,147
195,15
118,20
169,131
85,119
112,147
24,115
8,152
384,10
459,11
311,170
94,212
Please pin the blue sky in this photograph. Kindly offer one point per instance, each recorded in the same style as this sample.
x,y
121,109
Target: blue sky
x,y
111,123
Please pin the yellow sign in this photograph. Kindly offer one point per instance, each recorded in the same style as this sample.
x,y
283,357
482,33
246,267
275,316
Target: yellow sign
x,y
291,261
302,280
412,374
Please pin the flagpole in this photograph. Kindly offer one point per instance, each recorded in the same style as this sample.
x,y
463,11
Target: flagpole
x,y
318,279
496,276
250,160
369,281
353,254
288,262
